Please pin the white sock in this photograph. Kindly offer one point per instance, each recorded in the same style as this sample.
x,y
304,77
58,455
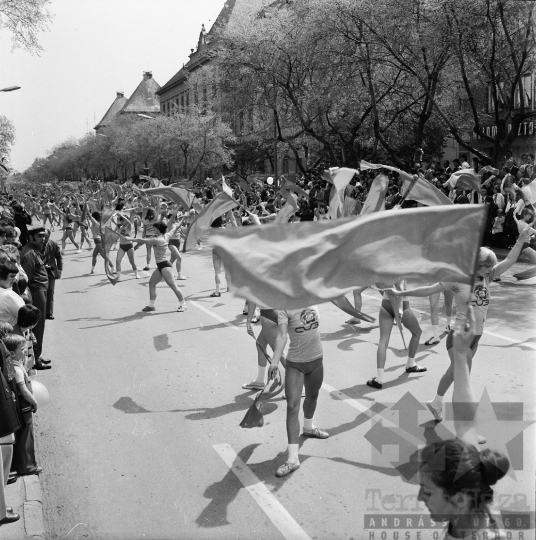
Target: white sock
x,y
438,400
379,377
435,330
261,374
410,362
151,303
449,320
308,424
293,453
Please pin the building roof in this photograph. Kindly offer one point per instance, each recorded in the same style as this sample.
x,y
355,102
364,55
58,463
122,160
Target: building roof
x,y
115,107
205,44
144,99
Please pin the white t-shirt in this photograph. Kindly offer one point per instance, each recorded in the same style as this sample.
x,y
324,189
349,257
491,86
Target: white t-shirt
x,y
479,298
10,303
304,333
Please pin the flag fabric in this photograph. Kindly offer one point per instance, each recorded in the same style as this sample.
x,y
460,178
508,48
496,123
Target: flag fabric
x,y
291,186
225,188
288,210
464,179
220,204
349,207
186,184
344,304
176,194
313,262
341,177
425,193
244,185
109,238
375,200
364,165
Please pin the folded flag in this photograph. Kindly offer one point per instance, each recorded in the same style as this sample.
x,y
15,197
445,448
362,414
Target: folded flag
x,y
464,179
288,210
109,238
314,262
221,203
375,200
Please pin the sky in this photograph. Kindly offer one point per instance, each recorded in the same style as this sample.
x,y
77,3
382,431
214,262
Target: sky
x,y
93,49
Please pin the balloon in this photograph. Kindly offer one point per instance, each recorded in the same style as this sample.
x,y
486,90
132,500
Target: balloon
x,y
40,393
270,180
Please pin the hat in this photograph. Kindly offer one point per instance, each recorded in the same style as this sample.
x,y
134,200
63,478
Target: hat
x,y
34,229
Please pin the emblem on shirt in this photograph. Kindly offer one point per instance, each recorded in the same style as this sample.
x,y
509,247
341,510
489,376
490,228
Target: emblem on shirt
x,y
309,319
481,295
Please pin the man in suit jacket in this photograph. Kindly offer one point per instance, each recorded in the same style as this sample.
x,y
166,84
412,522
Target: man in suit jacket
x,y
54,262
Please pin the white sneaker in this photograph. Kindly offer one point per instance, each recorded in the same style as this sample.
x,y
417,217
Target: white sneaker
x,y
435,410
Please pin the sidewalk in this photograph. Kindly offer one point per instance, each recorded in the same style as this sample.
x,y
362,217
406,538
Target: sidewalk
x,y
25,496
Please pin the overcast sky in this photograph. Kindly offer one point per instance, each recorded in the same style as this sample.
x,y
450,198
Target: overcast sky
x,y
93,49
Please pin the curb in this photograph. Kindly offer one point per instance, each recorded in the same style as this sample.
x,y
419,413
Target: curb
x,y
26,498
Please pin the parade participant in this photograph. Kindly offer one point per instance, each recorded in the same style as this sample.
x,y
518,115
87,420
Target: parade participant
x,y
47,213
434,315
83,224
174,248
124,227
163,266
149,232
387,319
267,336
33,264
54,265
216,260
465,295
95,227
455,478
67,225
304,368
358,304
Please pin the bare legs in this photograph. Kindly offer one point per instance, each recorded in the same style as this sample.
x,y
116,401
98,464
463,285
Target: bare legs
x,y
130,254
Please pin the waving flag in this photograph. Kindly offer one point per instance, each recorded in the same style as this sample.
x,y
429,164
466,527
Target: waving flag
x,y
221,203
225,188
349,207
289,209
175,194
364,165
425,193
291,186
313,262
375,200
341,177
464,179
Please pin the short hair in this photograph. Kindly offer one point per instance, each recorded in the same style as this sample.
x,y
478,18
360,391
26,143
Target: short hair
x,y
96,216
12,341
28,315
7,268
486,257
5,329
528,211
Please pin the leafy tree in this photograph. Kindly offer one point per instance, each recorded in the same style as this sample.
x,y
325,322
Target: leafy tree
x,y
7,136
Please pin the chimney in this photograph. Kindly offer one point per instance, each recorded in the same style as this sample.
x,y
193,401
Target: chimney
x,y
120,94
147,75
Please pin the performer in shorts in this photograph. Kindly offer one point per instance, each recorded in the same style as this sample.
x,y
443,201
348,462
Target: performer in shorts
x,y
303,368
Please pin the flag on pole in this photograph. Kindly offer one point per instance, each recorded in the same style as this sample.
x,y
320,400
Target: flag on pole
x,y
349,207
176,194
288,210
314,262
344,304
225,188
109,238
291,186
375,200
464,179
221,203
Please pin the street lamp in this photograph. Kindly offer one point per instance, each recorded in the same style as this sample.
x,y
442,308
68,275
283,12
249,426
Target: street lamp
x,y
9,88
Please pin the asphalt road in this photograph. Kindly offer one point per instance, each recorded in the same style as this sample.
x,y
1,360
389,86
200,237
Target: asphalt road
x,y
141,439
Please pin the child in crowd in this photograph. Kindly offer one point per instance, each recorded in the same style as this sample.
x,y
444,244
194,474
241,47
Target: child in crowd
x,y
23,450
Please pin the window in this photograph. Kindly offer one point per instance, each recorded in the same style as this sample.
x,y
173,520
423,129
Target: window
x,y
182,102
187,99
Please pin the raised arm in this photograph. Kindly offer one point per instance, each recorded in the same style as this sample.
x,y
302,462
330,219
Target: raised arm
x,y
419,291
463,400
514,252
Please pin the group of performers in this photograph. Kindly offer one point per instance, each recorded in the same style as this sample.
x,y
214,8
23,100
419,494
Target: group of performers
x,y
161,226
